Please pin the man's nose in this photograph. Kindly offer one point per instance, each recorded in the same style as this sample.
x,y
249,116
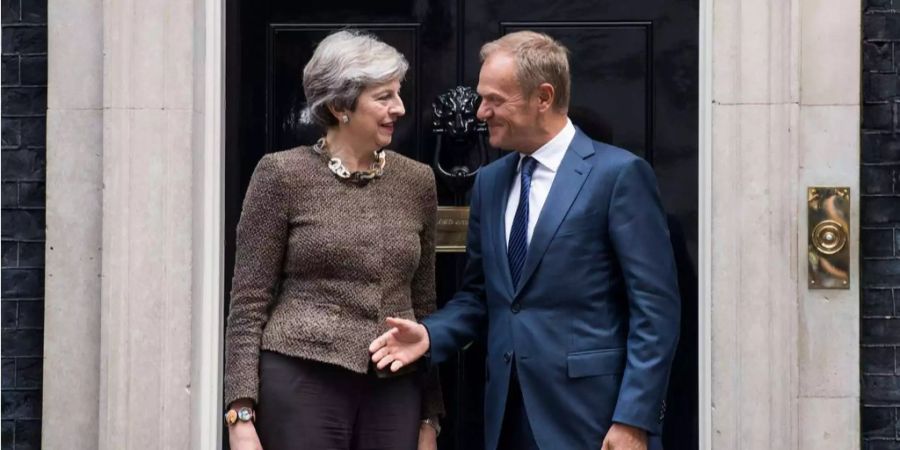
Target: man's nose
x,y
482,113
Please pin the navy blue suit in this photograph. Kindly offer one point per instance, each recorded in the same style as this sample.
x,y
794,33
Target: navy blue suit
x,y
593,324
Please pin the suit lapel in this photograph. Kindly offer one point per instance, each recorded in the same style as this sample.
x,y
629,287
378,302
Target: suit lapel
x,y
570,176
502,184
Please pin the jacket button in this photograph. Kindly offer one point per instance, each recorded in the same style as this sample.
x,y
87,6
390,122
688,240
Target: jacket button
x,y
507,356
515,308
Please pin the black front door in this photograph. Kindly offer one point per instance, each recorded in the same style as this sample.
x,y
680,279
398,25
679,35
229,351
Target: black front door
x,y
634,85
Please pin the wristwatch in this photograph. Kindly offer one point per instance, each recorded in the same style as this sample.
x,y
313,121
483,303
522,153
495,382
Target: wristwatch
x,y
243,414
433,423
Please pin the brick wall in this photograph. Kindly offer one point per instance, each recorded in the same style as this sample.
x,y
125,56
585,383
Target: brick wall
x,y
24,97
880,236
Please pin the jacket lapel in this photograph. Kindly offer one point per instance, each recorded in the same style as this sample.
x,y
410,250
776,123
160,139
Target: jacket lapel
x,y
502,184
570,176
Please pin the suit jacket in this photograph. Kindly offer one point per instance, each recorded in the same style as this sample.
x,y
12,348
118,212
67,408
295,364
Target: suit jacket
x,y
593,324
311,282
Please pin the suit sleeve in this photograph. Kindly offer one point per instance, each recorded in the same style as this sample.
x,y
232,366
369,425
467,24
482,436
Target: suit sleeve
x,y
462,319
423,293
640,238
259,251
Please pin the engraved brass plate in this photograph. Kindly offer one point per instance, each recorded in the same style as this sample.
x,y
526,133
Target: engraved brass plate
x,y
452,228
828,235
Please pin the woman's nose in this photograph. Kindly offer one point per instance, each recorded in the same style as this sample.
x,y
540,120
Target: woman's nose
x,y
398,108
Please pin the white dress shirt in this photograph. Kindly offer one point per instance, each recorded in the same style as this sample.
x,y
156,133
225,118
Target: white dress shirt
x,y
548,157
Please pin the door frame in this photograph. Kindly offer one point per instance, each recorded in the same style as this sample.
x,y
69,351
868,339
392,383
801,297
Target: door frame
x,y
207,331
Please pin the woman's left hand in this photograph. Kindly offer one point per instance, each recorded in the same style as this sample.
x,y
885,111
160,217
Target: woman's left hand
x,y
427,437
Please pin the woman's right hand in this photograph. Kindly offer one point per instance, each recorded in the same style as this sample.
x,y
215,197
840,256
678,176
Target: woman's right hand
x,y
242,436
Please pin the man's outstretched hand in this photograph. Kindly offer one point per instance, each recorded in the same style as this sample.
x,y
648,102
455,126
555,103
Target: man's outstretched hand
x,y
400,346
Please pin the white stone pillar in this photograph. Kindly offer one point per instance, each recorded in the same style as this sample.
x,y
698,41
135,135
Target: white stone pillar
x,y
784,360
74,225
209,225
126,140
147,224
755,182
829,148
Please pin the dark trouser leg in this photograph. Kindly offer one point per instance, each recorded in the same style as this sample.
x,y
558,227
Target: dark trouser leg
x,y
389,414
305,404
516,432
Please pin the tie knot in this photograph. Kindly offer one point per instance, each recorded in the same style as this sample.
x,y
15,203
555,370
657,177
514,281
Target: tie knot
x,y
528,166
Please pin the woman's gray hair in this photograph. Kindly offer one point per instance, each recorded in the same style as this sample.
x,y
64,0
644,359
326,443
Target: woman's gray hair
x,y
345,63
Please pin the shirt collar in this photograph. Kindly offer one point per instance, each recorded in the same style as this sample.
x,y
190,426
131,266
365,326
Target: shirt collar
x,y
550,155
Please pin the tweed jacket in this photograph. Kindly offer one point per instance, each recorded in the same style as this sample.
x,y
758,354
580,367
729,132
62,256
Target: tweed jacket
x,y
320,262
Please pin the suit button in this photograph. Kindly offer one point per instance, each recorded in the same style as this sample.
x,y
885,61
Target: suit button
x,y
507,356
515,308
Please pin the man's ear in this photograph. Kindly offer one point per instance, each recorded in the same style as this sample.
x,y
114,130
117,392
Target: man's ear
x,y
545,96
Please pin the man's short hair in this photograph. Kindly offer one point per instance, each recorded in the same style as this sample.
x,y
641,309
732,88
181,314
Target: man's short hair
x,y
539,59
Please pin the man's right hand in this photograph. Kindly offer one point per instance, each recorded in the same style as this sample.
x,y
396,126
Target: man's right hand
x,y
400,346
242,436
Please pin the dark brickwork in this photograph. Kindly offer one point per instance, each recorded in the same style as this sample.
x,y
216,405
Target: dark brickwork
x,y
880,236
24,97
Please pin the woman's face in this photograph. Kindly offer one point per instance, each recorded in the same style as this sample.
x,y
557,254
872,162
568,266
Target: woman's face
x,y
377,109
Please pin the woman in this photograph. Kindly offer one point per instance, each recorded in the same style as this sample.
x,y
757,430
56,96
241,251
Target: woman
x,y
332,239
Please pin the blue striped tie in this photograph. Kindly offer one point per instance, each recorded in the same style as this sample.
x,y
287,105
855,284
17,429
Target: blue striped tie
x,y
517,248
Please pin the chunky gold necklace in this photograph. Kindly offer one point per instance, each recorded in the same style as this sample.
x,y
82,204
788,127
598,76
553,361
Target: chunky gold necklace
x,y
337,166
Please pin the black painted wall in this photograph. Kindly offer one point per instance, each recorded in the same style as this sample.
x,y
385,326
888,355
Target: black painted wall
x,y
24,96
880,236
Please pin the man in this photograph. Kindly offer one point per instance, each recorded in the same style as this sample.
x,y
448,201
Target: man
x,y
570,270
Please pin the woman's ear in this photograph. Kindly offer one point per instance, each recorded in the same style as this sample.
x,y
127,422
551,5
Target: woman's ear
x,y
339,114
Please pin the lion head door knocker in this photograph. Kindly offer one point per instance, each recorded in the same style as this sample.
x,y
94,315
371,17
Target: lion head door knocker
x,y
459,145
458,132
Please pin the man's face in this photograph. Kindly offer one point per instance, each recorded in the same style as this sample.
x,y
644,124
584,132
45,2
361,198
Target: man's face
x,y
511,114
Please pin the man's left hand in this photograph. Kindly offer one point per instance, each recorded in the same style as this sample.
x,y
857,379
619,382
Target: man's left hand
x,y
625,437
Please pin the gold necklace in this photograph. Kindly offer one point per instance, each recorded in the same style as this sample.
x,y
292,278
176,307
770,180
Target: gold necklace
x,y
337,166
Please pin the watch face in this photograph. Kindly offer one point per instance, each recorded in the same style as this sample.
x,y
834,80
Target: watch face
x,y
244,414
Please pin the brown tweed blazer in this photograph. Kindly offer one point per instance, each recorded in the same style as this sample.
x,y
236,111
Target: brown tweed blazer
x,y
321,262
